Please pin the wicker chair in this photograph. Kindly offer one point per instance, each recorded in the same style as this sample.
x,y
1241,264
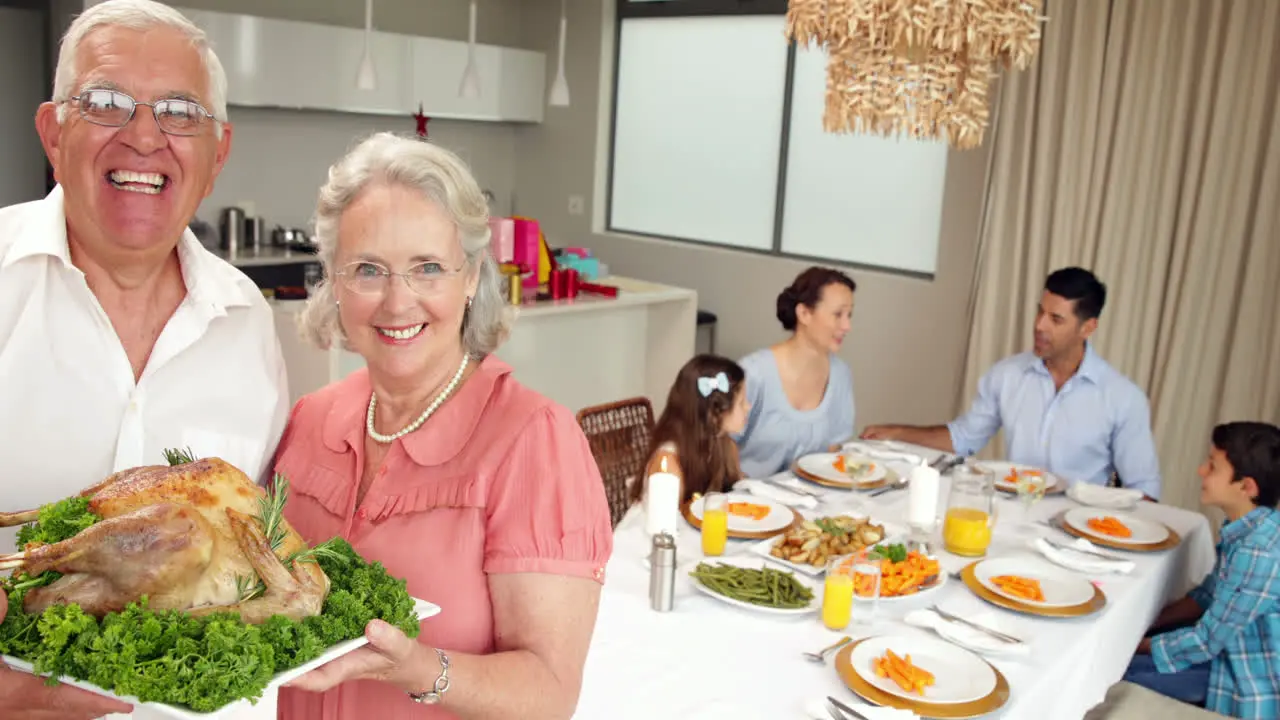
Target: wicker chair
x,y
618,434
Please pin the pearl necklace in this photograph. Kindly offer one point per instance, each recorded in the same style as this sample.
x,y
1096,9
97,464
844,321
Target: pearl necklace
x,y
444,394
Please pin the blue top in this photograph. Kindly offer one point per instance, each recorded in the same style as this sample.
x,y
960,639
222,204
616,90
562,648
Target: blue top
x,y
1097,423
1239,633
776,433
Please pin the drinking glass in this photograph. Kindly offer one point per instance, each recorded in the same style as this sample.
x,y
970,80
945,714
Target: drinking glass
x,y
715,523
866,585
1031,488
837,592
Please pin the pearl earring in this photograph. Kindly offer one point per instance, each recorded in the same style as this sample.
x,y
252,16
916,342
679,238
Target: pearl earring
x,y
468,302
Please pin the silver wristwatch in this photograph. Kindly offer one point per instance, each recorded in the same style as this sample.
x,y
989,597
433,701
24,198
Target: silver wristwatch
x,y
436,693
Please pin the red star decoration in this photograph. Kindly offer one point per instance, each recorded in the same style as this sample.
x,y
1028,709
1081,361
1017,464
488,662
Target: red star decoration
x,y
422,121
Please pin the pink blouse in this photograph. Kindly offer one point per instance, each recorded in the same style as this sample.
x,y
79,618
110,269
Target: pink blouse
x,y
499,480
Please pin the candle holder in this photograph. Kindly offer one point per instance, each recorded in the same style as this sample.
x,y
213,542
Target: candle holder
x,y
920,537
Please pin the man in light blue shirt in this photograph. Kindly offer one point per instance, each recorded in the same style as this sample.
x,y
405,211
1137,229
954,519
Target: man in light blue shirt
x,y
1062,407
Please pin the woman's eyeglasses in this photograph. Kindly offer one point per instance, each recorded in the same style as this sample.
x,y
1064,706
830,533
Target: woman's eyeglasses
x,y
371,278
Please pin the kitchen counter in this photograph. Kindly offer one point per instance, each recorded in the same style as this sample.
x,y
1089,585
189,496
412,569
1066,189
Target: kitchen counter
x,y
589,350
269,255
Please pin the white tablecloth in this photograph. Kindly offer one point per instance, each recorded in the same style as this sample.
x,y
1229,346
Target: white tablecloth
x,y
707,659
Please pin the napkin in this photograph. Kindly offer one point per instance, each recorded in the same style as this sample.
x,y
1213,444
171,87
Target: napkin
x,y
817,709
965,635
1083,561
880,454
763,489
1104,497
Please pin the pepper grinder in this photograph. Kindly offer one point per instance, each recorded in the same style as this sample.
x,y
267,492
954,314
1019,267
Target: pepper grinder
x,y
662,572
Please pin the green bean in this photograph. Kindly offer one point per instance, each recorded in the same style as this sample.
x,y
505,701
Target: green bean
x,y
766,587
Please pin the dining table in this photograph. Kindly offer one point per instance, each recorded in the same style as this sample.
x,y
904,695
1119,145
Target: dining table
x,y
705,658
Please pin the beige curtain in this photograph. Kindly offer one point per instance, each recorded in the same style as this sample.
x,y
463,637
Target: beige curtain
x,y
1145,144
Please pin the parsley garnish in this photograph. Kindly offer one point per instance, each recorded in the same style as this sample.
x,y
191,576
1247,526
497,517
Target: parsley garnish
x,y
894,553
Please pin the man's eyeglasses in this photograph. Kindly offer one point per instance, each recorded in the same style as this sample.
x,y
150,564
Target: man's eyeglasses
x,y
370,278
113,108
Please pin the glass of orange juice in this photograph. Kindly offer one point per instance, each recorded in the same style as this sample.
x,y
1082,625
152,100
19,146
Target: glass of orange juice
x,y
971,512
715,523
837,593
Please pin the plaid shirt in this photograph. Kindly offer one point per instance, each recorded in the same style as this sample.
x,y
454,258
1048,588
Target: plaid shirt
x,y
1239,633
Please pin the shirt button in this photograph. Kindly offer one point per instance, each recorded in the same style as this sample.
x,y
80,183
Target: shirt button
x,y
362,514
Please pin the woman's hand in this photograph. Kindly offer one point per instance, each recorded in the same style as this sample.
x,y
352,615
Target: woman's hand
x,y
391,657
24,696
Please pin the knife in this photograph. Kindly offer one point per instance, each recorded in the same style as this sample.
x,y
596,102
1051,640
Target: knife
x,y
846,709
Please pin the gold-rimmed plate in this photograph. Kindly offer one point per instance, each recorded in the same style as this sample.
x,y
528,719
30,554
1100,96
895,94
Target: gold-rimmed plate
x,y
820,469
1004,470
1074,522
969,576
779,519
990,702
1169,542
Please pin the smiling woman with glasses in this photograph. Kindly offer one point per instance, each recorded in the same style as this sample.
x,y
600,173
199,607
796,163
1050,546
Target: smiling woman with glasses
x,y
435,461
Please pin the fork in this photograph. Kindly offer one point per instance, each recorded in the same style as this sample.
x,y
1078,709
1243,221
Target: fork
x,y
795,489
821,655
888,488
983,628
1073,548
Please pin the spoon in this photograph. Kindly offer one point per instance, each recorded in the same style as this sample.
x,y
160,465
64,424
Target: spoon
x,y
821,655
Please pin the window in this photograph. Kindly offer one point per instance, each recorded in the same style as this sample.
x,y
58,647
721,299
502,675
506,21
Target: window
x,y
717,138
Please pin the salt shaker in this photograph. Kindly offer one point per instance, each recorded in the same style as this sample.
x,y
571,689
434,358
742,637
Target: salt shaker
x,y
662,572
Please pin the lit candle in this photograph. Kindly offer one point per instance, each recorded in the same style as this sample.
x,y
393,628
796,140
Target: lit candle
x,y
662,501
922,497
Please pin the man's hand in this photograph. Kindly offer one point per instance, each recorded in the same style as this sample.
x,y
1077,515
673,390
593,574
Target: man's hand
x,y
24,696
882,432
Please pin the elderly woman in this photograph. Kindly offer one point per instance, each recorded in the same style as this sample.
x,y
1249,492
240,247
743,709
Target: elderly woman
x,y
436,462
800,391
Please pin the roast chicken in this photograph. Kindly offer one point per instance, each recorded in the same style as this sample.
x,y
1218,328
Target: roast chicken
x,y
186,536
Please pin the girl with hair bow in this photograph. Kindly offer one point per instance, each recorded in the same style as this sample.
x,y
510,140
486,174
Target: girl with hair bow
x,y
706,404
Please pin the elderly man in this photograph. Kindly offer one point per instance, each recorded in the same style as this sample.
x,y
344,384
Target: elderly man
x,y
120,336
1062,407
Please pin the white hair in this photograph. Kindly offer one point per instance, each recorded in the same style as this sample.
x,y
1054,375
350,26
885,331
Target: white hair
x,y
444,179
137,15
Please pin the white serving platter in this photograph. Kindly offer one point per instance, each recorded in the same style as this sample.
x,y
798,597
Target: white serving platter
x,y
422,607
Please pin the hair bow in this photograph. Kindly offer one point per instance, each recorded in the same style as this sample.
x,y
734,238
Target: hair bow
x,y
707,385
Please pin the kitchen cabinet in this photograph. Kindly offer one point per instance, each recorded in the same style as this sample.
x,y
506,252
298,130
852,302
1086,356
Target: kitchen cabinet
x,y
310,66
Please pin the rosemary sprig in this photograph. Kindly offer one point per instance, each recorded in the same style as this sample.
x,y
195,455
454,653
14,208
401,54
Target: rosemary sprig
x,y
271,520
248,588
271,511
324,549
174,456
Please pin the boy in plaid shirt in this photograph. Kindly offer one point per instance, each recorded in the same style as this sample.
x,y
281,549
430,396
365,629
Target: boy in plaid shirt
x,y
1226,658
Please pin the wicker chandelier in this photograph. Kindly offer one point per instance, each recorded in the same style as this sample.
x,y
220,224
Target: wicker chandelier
x,y
915,67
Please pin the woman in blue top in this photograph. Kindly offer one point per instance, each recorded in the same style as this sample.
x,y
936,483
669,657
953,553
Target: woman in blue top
x,y
800,391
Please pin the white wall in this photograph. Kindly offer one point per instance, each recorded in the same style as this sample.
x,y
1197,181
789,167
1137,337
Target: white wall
x,y
22,163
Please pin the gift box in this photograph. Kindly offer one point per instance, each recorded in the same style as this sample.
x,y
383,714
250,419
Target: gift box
x,y
588,267
527,250
502,239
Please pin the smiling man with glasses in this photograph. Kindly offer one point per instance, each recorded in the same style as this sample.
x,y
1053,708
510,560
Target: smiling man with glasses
x,y
120,335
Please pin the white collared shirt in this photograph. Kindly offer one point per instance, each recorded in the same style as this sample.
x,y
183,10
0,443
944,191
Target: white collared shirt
x,y
70,411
